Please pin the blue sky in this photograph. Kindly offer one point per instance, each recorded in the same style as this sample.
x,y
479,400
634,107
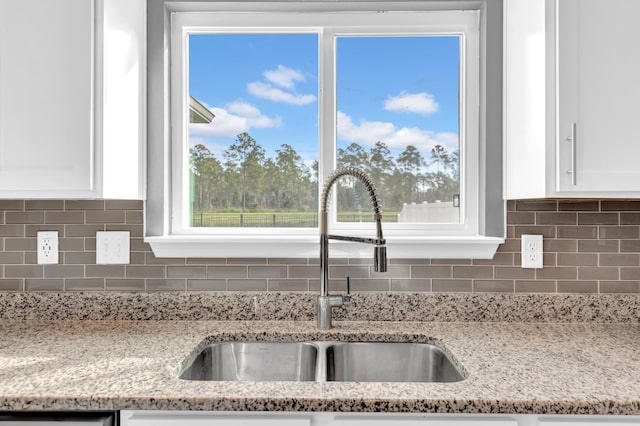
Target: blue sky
x,y
401,90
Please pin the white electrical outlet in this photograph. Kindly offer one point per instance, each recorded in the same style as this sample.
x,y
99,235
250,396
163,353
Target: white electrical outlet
x,y
47,247
532,251
112,247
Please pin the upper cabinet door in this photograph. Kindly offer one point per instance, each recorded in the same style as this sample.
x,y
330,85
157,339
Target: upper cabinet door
x,y
46,98
571,92
598,64
72,98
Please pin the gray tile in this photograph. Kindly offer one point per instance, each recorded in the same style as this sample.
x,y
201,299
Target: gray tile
x,y
630,246
560,246
536,205
354,271
11,204
186,271
598,218
629,273
127,284
207,285
620,205
577,259
598,273
556,218
134,217
413,285
619,259
286,261
24,217
107,271
577,286
84,284
12,230
83,230
11,257
578,232
247,285
473,272
79,257
247,261
84,205
514,272
11,284
579,205
535,286
521,218
364,284
71,217
44,205
267,272
64,271
557,273
288,285
109,216
311,271
47,284
448,286
619,286
17,244
431,271
598,246
227,272
150,259
124,204
134,271
619,232
629,218
23,271
166,285
493,286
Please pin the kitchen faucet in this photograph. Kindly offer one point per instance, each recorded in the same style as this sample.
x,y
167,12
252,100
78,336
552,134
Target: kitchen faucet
x,y
326,301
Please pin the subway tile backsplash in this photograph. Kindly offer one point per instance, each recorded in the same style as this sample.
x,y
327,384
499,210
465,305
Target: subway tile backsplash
x,y
590,246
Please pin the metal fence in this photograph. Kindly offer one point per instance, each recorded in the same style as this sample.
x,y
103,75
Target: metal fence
x,y
274,220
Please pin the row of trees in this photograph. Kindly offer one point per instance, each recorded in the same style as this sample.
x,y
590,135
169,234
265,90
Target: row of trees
x,y
246,180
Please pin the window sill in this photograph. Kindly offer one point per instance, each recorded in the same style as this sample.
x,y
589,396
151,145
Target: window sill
x,y
231,246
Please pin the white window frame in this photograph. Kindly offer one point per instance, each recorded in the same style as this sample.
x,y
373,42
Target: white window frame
x,y
404,240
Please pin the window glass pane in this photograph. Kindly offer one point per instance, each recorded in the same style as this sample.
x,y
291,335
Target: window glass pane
x,y
253,131
398,119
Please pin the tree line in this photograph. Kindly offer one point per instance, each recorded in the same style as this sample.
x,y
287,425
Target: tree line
x,y
246,180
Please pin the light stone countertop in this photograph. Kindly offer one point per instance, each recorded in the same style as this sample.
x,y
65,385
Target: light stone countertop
x,y
587,368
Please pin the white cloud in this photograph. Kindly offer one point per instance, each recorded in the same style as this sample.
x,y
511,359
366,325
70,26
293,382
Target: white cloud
x,y
284,76
370,132
235,118
267,91
420,103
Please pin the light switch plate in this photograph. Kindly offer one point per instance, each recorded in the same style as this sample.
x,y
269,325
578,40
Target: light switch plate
x,y
112,248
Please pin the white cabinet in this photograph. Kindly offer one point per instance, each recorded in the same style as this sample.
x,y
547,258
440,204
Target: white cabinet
x,y
71,85
238,418
195,418
571,98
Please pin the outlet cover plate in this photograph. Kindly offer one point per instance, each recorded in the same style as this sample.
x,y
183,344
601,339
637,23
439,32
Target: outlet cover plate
x,y
47,247
112,248
531,251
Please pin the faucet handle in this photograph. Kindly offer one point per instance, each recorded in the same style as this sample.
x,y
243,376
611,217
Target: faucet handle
x,y
346,299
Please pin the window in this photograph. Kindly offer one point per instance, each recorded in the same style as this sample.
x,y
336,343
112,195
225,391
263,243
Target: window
x,y
293,94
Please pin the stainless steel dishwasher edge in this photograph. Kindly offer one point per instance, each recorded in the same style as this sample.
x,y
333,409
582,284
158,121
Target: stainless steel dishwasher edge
x,y
25,418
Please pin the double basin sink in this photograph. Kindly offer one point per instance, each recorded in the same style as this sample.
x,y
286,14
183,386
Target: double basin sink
x,y
323,362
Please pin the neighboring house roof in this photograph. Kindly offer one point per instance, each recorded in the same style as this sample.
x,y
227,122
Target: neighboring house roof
x,y
199,113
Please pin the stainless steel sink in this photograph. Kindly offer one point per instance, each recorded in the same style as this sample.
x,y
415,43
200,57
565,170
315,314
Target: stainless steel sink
x,y
389,362
254,361
322,361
